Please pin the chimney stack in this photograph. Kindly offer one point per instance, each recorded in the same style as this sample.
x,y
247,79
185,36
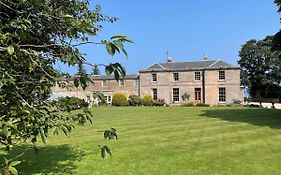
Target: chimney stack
x,y
205,57
169,60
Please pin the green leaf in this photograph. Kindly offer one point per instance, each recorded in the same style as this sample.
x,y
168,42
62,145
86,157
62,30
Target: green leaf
x,y
118,36
13,170
14,163
10,50
120,45
110,49
105,151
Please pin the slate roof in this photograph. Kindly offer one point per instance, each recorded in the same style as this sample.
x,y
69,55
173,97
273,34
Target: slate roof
x,y
111,77
194,65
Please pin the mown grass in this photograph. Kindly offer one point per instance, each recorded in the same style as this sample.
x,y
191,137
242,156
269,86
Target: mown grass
x,y
158,140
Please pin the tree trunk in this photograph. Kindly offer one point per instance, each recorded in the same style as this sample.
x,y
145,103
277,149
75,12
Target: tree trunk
x,y
5,170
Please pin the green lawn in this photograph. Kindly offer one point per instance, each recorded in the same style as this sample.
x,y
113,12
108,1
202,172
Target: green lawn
x,y
176,140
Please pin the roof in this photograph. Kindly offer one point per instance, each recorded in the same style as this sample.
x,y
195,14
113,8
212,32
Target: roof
x,y
111,77
194,65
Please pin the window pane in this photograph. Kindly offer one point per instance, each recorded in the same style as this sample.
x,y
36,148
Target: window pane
x,y
222,94
154,77
104,83
221,75
176,76
154,93
137,83
176,94
121,82
197,75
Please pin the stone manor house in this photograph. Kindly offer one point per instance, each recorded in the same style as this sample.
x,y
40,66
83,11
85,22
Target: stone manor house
x,y
211,82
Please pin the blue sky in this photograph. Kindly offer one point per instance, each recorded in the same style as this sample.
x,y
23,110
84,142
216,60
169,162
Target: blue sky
x,y
185,28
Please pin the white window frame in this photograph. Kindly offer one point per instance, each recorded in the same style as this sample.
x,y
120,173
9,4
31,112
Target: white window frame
x,y
137,82
176,96
154,77
176,76
121,82
154,93
104,83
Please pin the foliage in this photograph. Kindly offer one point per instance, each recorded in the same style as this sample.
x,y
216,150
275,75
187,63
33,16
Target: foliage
x,y
188,104
9,167
105,151
99,96
35,35
202,105
70,103
159,102
147,100
260,68
110,134
134,100
119,99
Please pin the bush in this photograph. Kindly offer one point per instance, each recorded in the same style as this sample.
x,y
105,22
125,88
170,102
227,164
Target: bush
x,y
159,102
70,103
147,100
202,105
134,100
188,104
119,99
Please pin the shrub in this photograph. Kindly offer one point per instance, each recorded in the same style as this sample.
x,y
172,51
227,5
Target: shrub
x,y
202,105
134,100
159,102
188,104
119,99
147,100
70,103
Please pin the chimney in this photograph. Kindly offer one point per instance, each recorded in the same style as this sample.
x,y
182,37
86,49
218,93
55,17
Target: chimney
x,y
169,60
205,58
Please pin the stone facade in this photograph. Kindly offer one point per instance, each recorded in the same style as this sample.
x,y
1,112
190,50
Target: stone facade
x,y
104,84
203,82
210,82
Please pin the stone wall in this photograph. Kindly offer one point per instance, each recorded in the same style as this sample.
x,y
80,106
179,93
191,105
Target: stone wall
x,y
187,84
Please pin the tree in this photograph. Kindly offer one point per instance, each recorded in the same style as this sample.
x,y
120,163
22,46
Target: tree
x,y
34,35
260,68
96,70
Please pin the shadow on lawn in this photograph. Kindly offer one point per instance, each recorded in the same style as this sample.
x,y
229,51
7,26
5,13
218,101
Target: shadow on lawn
x,y
49,160
254,116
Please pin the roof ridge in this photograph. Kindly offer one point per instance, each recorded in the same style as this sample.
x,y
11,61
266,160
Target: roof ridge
x,y
189,61
161,66
214,63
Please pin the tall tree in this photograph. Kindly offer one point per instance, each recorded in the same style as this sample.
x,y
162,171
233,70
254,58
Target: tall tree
x,y
34,35
260,68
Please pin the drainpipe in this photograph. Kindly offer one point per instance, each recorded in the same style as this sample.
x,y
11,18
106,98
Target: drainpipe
x,y
203,86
